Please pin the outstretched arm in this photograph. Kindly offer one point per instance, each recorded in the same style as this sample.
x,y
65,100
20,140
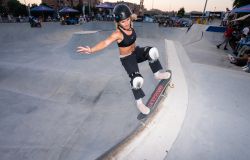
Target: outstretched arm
x,y
99,46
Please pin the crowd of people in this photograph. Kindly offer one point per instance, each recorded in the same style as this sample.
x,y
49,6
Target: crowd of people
x,y
237,35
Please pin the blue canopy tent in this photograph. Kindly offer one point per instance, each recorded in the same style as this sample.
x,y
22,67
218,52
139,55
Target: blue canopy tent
x,y
105,5
69,15
243,9
68,10
41,10
108,7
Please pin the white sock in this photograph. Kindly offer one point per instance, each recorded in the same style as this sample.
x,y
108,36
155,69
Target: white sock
x,y
156,74
139,101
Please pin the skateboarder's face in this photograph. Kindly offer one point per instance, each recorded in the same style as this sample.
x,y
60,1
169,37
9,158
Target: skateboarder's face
x,y
125,23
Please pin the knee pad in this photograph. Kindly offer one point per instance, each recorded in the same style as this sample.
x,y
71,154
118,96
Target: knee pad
x,y
153,54
136,80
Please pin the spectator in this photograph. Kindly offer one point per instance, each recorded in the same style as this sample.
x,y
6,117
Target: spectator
x,y
225,19
49,19
227,35
9,18
236,35
84,18
246,68
243,50
81,21
243,60
245,31
245,40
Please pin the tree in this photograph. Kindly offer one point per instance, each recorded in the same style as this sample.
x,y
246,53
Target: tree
x,y
16,8
13,6
240,3
3,10
181,12
79,7
45,4
33,5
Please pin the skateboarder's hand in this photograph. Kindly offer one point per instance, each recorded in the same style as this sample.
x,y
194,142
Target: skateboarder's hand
x,y
84,50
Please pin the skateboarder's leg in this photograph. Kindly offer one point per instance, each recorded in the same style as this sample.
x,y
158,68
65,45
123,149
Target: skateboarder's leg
x,y
151,54
142,107
130,65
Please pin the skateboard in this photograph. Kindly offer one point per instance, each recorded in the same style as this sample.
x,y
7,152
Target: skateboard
x,y
156,97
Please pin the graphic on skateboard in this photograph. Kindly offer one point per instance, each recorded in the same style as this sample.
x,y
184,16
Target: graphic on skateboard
x,y
156,96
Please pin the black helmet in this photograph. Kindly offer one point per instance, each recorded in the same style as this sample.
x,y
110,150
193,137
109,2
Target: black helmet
x,y
121,12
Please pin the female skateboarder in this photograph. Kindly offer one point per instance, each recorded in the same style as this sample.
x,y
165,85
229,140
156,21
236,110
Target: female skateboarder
x,y
130,54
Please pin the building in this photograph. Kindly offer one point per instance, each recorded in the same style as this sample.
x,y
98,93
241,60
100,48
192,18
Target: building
x,y
57,4
4,3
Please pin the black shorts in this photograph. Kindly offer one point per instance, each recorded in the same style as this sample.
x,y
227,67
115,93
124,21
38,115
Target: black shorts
x,y
140,54
130,64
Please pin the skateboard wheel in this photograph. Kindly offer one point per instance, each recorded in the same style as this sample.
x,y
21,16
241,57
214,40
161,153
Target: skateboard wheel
x,y
171,85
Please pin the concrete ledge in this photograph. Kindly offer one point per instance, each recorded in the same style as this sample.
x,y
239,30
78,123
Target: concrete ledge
x,y
86,32
164,128
154,139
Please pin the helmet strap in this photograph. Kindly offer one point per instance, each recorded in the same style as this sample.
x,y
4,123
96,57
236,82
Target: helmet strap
x,y
124,28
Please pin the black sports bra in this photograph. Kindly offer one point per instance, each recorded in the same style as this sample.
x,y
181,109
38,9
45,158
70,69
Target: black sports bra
x,y
127,39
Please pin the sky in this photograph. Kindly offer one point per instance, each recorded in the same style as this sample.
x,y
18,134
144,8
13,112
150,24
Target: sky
x,y
170,5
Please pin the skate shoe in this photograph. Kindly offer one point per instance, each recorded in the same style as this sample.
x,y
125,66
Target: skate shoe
x,y
143,109
164,75
244,67
231,58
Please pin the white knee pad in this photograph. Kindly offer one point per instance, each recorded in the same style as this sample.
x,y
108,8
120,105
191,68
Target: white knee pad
x,y
137,82
153,53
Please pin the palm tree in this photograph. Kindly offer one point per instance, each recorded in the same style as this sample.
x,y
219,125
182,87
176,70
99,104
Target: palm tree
x,y
239,3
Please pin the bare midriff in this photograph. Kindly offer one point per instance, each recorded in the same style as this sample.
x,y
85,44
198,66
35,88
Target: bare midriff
x,y
125,51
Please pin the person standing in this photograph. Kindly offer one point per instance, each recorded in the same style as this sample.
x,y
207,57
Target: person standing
x,y
225,19
227,36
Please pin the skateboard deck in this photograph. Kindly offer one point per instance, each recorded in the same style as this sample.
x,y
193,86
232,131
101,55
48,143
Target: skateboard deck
x,y
156,97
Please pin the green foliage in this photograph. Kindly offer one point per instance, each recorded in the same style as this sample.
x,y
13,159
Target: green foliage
x,y
33,5
3,10
78,7
240,3
16,8
45,4
181,12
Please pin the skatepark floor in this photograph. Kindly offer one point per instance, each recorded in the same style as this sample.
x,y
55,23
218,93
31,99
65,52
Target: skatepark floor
x,y
56,104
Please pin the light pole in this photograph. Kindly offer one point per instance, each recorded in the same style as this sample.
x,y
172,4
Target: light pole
x,y
27,7
203,14
89,1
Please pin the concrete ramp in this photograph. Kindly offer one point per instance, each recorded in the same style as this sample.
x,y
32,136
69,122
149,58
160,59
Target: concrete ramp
x,y
56,104
194,35
87,38
59,105
217,118
204,50
56,107
216,123
161,129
